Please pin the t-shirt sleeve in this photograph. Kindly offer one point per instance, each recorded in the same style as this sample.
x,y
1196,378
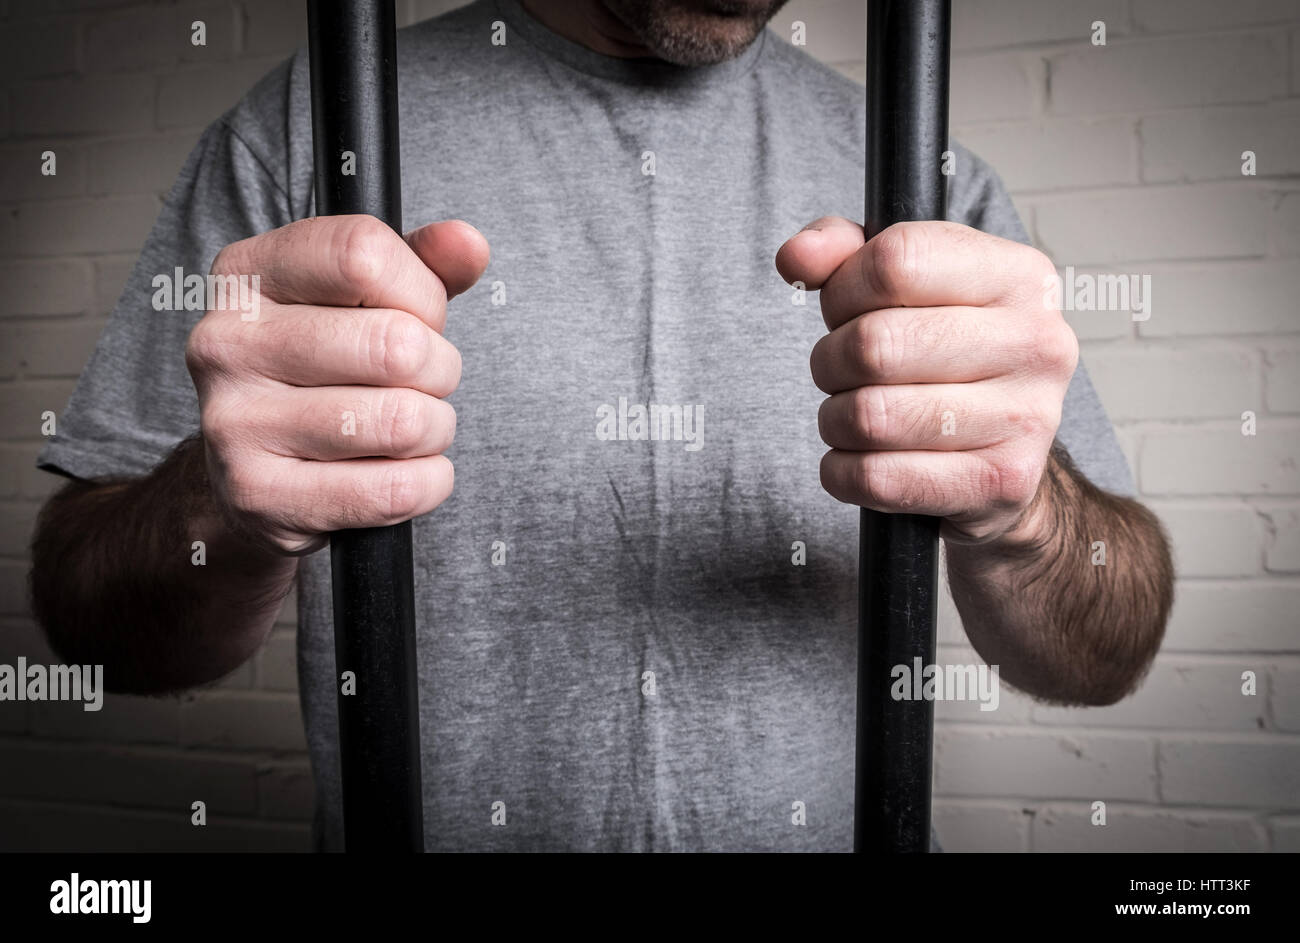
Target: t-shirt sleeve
x,y
134,401
977,198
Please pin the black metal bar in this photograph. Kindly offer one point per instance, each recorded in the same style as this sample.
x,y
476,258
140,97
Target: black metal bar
x,y
354,112
898,573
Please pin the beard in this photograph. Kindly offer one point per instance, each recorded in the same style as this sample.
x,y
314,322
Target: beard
x,y
695,32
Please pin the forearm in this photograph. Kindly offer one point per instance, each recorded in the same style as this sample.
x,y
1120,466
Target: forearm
x,y
116,580
1040,602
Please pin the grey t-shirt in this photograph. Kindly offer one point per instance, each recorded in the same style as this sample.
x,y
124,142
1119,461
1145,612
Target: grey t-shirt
x,y
614,638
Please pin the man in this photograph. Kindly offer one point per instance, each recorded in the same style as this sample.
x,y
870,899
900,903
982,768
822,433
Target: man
x,y
637,604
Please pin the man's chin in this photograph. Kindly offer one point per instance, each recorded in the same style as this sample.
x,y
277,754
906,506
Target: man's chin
x,y
695,32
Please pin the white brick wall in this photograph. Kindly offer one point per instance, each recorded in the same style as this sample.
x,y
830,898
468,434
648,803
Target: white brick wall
x,y
1123,158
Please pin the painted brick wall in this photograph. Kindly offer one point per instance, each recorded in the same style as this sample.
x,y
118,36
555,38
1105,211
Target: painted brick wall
x,y
1122,158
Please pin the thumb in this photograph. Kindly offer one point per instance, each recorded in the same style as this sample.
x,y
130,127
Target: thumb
x,y
453,250
813,253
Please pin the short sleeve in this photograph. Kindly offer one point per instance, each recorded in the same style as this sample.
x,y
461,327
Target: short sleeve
x,y
977,198
134,401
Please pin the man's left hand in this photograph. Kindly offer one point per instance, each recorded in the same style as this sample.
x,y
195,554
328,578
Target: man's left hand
x,y
946,369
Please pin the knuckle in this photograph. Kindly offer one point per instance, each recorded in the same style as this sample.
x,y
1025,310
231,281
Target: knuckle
x,y
1015,479
398,346
400,492
203,348
405,421
870,412
896,259
877,347
363,253
1055,346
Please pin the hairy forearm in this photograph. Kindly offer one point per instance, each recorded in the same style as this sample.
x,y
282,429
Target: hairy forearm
x,y
1071,604
116,579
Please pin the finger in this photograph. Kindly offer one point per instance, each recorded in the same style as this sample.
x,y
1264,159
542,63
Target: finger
x,y
817,250
320,497
921,345
341,261
942,484
931,264
309,346
455,251
329,424
943,417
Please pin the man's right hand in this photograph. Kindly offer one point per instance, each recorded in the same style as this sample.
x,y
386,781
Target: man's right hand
x,y
327,411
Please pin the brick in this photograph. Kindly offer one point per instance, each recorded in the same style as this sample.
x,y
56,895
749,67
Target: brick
x,y
1282,379
285,791
1193,384
239,679
1069,828
1222,461
85,105
834,29
274,27
16,523
22,636
244,721
1234,298
1284,227
1212,540
1098,325
138,165
153,38
1233,617
1179,693
11,460
1221,772
122,719
47,350
194,98
968,826
41,287
1183,71
1283,551
1284,697
974,762
1207,144
40,47
1284,833
32,482
995,87
22,171
1153,224
1188,15
1054,153
990,23
33,826
1295,61
137,777
110,277
23,403
68,227
277,663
